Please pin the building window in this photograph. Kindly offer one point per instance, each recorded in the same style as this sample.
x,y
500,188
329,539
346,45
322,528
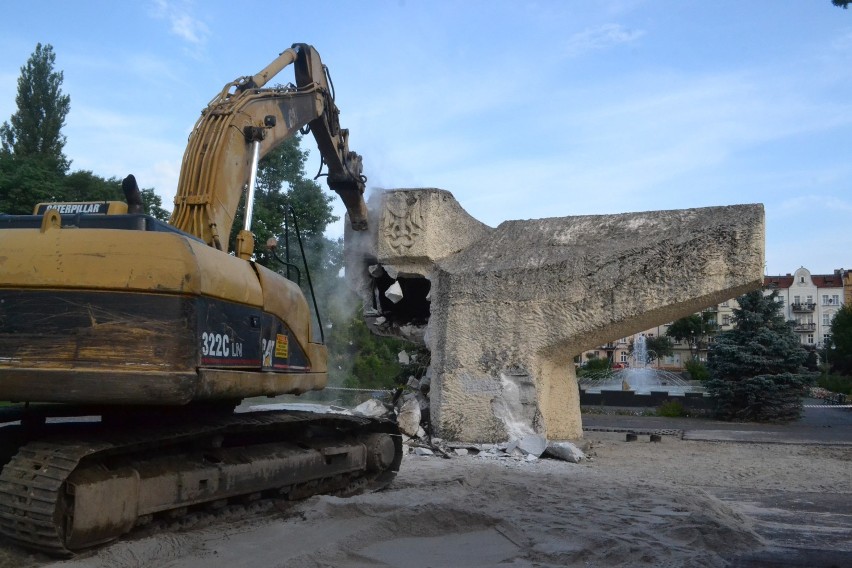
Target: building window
x,y
724,304
726,320
623,357
797,300
826,337
826,319
810,339
810,299
835,299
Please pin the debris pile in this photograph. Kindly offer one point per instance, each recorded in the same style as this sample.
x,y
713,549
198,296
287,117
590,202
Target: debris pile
x,y
410,409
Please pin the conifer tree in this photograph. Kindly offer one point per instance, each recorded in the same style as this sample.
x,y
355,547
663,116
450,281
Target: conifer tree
x,y
840,346
35,130
757,369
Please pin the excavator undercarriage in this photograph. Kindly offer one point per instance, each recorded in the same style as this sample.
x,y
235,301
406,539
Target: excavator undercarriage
x,y
75,485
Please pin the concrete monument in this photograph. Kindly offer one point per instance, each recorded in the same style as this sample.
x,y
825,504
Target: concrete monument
x,y
505,310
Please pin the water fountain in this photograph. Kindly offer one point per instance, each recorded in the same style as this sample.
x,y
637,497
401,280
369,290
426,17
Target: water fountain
x,y
638,377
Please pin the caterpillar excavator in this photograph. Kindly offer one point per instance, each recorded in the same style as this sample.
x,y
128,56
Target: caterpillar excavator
x,y
127,342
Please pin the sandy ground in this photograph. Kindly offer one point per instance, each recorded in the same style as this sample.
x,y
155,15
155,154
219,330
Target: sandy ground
x,y
673,503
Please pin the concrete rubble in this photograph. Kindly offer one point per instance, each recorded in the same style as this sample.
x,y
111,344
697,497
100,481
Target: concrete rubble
x,y
505,310
394,293
373,408
403,357
408,416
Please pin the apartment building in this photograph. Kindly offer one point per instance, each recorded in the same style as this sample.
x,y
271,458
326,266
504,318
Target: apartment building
x,y
809,300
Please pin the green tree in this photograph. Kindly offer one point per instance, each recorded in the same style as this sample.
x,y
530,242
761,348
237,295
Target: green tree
x,y
657,348
84,185
281,184
35,130
697,370
359,359
154,204
841,3
25,182
33,167
757,369
595,366
839,350
695,330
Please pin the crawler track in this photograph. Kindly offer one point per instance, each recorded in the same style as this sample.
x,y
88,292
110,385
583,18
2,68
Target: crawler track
x,y
80,485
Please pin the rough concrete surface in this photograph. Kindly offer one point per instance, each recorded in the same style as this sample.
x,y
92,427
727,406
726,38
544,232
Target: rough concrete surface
x,y
509,308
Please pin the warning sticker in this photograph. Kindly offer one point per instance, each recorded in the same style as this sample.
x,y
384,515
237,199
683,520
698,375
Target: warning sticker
x,y
281,351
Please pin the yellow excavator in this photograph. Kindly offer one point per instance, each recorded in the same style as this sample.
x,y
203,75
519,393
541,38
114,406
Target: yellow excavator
x,y
128,342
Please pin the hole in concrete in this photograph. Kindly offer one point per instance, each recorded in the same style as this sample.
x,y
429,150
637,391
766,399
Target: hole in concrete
x,y
413,308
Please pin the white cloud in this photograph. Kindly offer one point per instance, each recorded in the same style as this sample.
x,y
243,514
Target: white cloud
x,y
182,22
794,207
599,38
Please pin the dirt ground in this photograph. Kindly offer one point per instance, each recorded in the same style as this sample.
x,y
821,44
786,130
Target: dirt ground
x,y
677,502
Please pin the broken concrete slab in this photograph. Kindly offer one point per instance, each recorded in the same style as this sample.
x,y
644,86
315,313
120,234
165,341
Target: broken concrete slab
x,y
512,306
565,451
394,293
408,418
532,444
372,407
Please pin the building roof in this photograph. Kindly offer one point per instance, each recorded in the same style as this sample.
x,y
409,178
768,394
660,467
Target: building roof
x,y
819,280
778,281
828,281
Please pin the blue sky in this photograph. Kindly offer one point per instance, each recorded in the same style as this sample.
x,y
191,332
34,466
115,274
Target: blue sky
x,y
520,109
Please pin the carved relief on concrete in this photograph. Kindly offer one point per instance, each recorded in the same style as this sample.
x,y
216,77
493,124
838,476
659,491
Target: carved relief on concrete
x,y
402,221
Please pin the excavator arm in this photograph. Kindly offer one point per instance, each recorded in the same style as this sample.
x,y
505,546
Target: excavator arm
x,y
243,123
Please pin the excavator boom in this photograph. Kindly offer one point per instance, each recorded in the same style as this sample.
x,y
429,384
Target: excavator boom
x,y
217,164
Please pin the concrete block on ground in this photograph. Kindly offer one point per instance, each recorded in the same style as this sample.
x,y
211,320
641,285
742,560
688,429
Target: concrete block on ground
x,y
565,451
408,418
532,444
